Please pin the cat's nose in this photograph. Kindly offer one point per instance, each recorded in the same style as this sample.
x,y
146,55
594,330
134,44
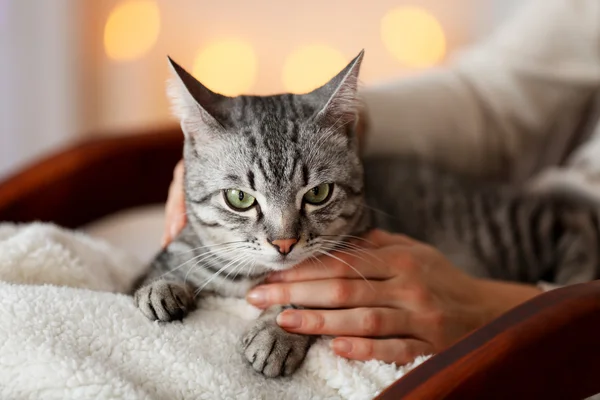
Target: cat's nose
x,y
283,246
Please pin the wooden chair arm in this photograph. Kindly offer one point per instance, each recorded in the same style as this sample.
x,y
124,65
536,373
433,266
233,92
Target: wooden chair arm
x,y
93,179
547,348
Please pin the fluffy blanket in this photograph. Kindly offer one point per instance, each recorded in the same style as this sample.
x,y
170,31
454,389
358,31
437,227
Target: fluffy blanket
x,y
67,333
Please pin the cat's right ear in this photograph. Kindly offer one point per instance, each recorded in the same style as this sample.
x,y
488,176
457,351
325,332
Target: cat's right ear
x,y
196,106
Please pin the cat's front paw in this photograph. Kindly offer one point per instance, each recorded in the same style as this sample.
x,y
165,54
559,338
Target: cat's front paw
x,y
273,351
164,301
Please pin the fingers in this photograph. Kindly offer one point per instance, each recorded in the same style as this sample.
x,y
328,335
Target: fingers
x,y
358,265
175,218
400,351
366,322
364,258
331,293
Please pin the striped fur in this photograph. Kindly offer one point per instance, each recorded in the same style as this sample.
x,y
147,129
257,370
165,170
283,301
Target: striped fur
x,y
489,230
277,148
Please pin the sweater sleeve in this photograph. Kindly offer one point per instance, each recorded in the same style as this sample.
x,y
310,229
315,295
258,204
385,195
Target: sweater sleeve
x,y
494,104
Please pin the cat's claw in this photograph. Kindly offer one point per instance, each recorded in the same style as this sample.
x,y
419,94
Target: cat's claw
x,y
273,351
164,301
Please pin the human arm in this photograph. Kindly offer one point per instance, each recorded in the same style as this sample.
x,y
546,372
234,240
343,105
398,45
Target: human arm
x,y
495,105
411,301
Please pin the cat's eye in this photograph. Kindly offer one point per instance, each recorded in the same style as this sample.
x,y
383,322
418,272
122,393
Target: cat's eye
x,y
238,200
319,194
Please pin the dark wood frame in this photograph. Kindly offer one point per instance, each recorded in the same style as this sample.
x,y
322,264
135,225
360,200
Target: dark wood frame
x,y
93,179
544,349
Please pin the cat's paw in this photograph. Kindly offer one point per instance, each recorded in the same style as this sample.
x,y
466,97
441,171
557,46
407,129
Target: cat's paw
x,y
273,351
164,301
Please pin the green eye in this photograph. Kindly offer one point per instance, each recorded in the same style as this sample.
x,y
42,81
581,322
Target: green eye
x,y
319,194
238,200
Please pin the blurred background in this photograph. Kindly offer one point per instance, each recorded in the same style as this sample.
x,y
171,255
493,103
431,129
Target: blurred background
x,y
72,69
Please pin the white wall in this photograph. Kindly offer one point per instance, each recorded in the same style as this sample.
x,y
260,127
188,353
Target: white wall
x,y
38,72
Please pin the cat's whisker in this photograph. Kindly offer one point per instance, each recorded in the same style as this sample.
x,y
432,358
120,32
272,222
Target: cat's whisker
x,y
219,273
351,237
315,258
216,274
352,251
358,249
238,265
252,268
208,255
212,254
244,264
341,243
346,244
208,246
196,258
237,268
344,262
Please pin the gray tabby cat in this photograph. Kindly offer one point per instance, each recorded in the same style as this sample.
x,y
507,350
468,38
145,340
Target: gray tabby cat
x,y
272,181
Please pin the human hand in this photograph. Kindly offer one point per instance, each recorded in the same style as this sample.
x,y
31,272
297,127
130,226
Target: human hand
x,y
412,301
175,216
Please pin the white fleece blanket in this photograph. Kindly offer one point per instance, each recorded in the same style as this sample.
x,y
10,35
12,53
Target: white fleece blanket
x,y
66,333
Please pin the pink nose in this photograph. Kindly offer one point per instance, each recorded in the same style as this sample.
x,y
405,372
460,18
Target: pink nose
x,y
284,246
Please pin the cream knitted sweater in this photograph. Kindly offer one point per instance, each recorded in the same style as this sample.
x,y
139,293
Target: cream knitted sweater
x,y
501,101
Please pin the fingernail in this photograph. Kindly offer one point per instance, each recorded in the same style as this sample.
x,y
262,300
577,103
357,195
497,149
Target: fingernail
x,y
289,319
275,277
341,346
257,297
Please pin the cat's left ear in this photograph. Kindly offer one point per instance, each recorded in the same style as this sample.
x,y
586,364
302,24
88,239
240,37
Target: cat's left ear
x,y
338,98
199,109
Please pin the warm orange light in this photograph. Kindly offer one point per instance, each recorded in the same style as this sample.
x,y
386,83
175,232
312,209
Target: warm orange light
x,y
131,29
309,67
413,36
227,67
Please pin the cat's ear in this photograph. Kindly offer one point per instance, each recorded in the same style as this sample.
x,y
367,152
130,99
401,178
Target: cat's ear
x,y
196,106
338,99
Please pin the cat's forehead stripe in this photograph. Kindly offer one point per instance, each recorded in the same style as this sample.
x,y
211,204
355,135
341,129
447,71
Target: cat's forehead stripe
x,y
263,170
305,175
251,180
294,164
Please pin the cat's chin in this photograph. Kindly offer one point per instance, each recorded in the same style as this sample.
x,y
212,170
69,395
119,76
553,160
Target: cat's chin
x,y
281,264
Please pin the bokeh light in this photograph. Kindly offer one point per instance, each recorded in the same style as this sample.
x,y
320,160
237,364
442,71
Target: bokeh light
x,y
413,36
311,66
131,29
227,66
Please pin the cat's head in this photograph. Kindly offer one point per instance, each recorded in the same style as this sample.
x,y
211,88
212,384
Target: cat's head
x,y
280,175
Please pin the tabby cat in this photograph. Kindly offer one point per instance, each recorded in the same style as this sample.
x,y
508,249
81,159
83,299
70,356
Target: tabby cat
x,y
272,181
